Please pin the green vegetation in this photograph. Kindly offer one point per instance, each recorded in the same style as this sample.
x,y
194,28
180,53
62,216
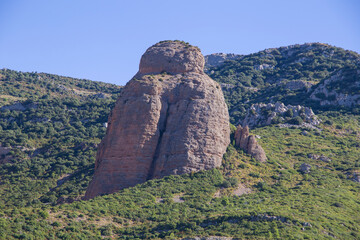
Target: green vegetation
x,y
186,44
317,205
53,136
48,148
263,76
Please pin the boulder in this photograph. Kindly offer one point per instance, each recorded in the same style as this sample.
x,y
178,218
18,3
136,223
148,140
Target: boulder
x,y
305,168
356,177
249,144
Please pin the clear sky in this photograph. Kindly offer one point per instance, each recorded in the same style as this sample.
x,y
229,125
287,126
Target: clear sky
x,y
104,40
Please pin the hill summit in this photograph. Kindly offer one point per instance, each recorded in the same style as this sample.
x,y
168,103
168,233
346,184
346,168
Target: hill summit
x,y
171,118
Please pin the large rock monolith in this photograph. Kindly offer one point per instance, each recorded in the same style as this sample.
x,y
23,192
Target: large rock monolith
x,y
171,118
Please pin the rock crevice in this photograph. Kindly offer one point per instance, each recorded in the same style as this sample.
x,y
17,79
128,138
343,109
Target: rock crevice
x,y
162,129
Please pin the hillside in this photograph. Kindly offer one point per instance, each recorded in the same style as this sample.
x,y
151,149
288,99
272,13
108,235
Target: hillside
x,y
51,125
291,75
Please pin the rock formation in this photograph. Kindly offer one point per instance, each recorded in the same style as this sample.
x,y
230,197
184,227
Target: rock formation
x,y
356,177
217,59
249,144
305,168
296,85
261,114
321,157
341,89
171,118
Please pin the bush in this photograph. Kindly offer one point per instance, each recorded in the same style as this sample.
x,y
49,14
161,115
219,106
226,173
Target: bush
x,y
106,230
226,184
289,113
44,214
56,224
296,121
233,181
328,122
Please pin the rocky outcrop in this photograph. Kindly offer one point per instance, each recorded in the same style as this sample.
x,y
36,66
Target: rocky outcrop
x,y
356,177
18,106
263,66
262,114
249,144
305,168
297,85
319,157
341,89
171,118
216,59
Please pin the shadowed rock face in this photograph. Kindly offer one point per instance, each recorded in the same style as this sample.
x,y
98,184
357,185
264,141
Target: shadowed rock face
x,y
163,124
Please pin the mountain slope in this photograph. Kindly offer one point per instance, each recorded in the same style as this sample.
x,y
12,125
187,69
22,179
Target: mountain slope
x,y
50,127
287,74
308,188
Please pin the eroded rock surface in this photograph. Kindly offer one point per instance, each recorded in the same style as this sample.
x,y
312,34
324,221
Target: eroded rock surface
x,y
248,143
261,114
163,123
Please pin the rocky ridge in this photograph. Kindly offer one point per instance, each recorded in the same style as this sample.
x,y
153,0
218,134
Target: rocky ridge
x,y
171,118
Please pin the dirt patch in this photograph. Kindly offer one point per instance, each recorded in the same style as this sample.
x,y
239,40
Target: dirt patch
x,y
178,198
62,218
241,190
217,194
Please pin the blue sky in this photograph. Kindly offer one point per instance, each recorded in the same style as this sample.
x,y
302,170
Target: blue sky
x,y
104,40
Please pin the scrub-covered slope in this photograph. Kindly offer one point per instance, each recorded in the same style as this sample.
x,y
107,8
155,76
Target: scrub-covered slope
x,y
307,189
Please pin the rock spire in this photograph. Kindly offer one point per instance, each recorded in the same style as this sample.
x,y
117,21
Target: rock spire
x,y
171,118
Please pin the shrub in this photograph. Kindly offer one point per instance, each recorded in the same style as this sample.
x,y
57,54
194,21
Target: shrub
x,y
328,122
296,121
233,181
44,214
289,113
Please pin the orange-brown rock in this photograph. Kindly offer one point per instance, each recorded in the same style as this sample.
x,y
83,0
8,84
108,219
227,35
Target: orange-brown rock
x,y
164,123
249,144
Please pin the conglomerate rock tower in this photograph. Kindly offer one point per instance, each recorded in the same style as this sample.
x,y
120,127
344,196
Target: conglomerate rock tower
x,y
171,118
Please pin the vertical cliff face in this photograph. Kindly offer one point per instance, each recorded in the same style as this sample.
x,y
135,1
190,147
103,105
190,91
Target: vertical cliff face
x,y
171,118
